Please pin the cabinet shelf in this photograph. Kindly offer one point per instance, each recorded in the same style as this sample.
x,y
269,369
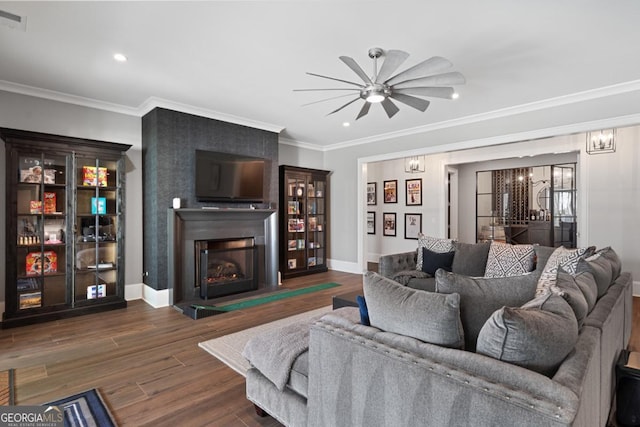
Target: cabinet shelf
x,y
51,229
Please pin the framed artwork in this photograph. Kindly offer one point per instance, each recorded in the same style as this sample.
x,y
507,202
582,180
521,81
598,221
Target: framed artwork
x,y
391,191
371,193
412,225
389,221
414,191
371,223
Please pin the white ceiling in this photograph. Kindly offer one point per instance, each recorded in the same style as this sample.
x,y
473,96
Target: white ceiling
x,y
241,60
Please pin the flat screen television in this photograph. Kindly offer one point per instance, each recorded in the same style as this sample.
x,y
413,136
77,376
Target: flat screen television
x,y
225,177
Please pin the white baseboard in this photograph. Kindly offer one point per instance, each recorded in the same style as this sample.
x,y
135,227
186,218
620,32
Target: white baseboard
x,y
371,257
347,267
154,297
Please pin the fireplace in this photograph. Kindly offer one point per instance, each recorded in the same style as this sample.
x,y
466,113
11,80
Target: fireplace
x,y
188,226
226,266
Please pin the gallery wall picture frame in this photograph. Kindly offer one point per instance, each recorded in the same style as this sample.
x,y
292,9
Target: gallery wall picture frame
x,y
413,192
389,223
391,191
372,193
412,225
371,222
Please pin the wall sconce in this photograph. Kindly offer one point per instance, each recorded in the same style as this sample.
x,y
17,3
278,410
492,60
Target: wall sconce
x,y
414,164
602,141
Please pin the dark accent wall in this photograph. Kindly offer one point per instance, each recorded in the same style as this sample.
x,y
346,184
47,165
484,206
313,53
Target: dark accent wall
x,y
169,143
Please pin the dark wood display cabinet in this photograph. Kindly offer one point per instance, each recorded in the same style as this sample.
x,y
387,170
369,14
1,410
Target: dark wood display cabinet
x,y
64,226
304,220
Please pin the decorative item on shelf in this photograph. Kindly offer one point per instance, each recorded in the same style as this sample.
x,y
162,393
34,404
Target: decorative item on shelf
x,y
602,141
30,300
414,164
96,291
49,202
37,262
176,203
92,177
35,207
98,205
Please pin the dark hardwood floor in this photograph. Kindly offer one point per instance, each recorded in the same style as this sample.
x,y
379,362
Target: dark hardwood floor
x,y
147,364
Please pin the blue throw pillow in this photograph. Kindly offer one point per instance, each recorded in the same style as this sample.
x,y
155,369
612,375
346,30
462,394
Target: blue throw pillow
x,y
432,261
364,312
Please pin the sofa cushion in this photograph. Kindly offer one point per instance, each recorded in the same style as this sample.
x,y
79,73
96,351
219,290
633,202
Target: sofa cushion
x,y
480,297
571,292
603,264
432,261
587,284
427,316
470,258
434,244
506,260
561,257
536,336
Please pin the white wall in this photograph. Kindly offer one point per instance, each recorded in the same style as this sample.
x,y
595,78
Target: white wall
x,y
303,157
40,115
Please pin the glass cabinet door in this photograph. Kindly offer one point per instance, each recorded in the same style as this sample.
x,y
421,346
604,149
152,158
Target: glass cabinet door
x,y
96,230
41,247
316,221
296,224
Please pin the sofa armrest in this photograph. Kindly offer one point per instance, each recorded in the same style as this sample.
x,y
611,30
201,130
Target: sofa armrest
x,y
392,264
359,375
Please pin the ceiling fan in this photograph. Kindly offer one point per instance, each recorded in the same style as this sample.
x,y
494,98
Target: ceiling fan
x,y
421,80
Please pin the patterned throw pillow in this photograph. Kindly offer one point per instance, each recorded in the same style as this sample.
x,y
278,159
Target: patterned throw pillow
x,y
434,245
561,257
506,260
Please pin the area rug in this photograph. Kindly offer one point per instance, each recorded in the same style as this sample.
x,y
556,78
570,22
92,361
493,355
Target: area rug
x,y
228,348
7,396
265,299
85,409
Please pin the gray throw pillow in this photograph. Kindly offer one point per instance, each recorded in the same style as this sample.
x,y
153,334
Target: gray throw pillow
x,y
571,292
427,316
587,284
470,258
480,297
605,266
561,257
537,336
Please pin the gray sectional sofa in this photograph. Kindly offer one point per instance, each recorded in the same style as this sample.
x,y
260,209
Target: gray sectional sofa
x,y
358,375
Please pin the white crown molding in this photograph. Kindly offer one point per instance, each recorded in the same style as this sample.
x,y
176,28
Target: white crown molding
x,y
586,95
139,111
66,98
299,144
155,102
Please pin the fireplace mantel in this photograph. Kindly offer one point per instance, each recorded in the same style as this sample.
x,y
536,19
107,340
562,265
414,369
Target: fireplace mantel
x,y
185,226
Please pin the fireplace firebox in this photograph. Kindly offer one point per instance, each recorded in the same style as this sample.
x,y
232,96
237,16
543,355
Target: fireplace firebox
x,y
226,266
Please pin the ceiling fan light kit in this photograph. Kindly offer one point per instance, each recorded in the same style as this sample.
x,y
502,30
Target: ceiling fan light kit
x,y
424,79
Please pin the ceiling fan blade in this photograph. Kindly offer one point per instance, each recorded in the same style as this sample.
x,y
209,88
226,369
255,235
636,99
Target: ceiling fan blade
x,y
351,63
326,99
429,66
319,90
345,105
389,107
393,59
445,79
364,110
436,92
338,80
411,101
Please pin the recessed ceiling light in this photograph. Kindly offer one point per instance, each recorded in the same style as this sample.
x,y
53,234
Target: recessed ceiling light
x,y
455,95
346,124
120,57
